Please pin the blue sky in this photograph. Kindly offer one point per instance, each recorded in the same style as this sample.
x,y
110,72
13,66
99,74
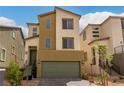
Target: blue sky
x,y
24,14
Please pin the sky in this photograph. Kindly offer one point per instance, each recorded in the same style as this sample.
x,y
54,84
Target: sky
x,y
20,15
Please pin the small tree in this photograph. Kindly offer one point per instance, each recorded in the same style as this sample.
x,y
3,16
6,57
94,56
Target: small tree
x,y
13,74
105,57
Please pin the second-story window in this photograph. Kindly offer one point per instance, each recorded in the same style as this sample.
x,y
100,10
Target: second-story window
x,y
67,23
34,31
47,43
47,24
68,43
13,35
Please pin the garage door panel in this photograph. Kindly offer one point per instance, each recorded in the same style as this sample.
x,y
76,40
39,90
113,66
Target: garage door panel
x,y
60,70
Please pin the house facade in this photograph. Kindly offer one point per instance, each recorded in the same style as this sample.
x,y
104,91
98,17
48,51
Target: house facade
x,y
11,46
59,54
109,33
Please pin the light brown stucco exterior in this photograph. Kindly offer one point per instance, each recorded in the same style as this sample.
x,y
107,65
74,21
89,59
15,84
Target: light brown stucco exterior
x,y
7,42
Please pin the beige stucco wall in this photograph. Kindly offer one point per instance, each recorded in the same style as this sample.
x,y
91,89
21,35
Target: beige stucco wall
x,y
117,35
66,33
28,43
7,41
112,28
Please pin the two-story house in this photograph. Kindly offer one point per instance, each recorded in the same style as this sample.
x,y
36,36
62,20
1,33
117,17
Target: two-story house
x,y
11,46
109,33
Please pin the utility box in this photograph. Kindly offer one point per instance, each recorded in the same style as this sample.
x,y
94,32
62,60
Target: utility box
x,y
2,74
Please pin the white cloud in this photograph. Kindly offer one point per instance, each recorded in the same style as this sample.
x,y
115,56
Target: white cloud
x,y
10,22
24,30
95,18
7,22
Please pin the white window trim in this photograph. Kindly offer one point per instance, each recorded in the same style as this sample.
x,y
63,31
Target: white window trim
x,y
1,55
13,35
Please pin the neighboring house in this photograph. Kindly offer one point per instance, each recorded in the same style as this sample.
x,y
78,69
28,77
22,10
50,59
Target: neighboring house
x,y
31,46
57,45
11,46
109,33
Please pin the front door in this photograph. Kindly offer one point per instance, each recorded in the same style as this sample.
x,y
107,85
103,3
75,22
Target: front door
x,y
33,58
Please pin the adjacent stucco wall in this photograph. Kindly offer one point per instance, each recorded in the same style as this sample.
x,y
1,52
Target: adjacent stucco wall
x,y
112,28
60,33
117,35
6,41
32,42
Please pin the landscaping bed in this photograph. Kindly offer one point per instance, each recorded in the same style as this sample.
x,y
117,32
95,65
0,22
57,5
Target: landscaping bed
x,y
34,82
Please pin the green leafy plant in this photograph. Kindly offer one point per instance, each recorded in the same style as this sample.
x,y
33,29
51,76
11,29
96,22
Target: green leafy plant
x,y
104,56
14,74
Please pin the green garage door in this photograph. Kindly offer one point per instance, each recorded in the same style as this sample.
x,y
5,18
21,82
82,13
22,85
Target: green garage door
x,y
60,70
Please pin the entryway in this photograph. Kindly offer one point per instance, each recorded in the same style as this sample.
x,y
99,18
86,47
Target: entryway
x,y
32,60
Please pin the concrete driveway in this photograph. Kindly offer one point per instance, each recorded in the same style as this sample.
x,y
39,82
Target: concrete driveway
x,y
55,82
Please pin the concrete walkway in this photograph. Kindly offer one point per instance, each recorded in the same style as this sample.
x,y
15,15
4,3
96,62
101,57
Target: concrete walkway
x,y
55,82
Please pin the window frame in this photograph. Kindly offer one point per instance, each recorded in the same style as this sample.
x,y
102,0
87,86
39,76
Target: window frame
x,y
67,43
47,44
13,35
1,59
34,32
48,24
67,23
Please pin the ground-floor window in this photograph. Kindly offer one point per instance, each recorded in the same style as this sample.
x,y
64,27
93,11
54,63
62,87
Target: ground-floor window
x,y
3,54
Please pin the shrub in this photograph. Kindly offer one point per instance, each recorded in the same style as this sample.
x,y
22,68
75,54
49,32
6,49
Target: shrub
x,y
14,74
